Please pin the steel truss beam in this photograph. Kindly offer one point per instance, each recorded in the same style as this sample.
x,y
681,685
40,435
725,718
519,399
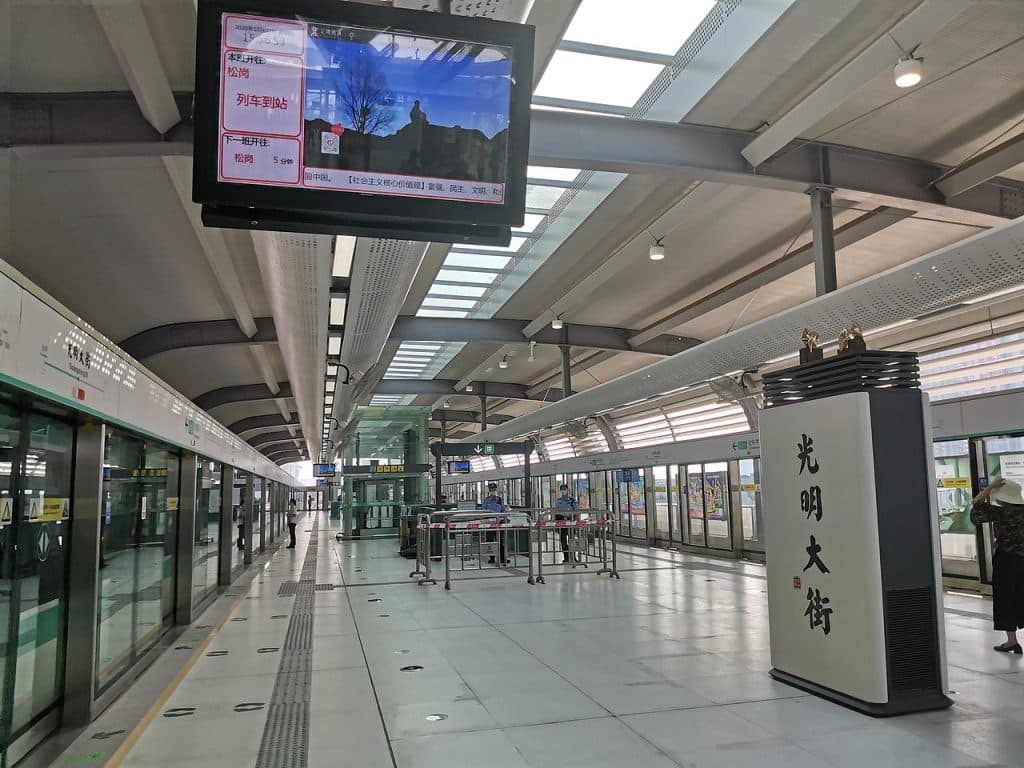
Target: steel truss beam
x,y
240,394
452,416
110,124
496,389
206,333
503,331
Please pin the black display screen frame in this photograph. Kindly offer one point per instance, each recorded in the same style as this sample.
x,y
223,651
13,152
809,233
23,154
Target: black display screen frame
x,y
207,189
318,470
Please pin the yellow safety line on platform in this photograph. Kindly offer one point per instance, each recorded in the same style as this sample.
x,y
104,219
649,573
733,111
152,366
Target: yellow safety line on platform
x,y
132,739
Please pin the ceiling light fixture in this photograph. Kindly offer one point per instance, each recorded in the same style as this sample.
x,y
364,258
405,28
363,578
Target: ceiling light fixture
x,y
533,350
504,362
469,387
447,404
657,250
557,322
908,71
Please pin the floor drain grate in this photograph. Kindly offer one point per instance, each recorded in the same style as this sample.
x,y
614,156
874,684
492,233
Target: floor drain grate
x,y
325,587
411,668
288,589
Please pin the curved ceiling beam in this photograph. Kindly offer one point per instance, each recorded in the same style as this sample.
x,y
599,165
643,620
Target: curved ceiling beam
x,y
240,394
504,331
262,422
286,458
206,333
285,452
274,437
277,446
452,416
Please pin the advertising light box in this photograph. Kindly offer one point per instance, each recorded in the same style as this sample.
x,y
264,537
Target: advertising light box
x,y
349,110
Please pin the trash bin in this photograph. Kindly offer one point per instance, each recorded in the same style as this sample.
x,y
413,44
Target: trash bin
x,y
335,510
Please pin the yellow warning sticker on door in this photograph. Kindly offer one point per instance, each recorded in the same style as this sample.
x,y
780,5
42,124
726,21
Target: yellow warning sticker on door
x,y
6,514
956,482
750,487
172,503
54,510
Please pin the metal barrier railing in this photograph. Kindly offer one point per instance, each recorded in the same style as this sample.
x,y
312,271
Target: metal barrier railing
x,y
502,538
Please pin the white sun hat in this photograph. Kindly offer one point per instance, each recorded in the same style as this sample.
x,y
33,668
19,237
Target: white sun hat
x,y
1010,493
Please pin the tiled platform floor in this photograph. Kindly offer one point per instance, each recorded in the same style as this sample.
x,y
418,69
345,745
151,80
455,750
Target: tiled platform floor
x,y
667,667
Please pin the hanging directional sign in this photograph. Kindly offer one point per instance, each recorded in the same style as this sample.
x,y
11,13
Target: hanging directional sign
x,y
482,449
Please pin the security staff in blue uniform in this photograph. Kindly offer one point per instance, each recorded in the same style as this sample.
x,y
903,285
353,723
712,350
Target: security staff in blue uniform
x,y
493,502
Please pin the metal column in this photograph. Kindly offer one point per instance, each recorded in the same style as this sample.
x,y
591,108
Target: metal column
x,y
83,576
248,508
822,228
566,364
227,533
483,411
185,549
527,484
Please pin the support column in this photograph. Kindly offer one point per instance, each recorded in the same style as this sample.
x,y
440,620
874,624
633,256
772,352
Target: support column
x,y
822,228
83,576
185,550
227,529
483,411
527,482
249,510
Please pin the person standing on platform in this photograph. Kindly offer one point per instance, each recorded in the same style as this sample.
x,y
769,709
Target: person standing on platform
x,y
1007,518
568,505
292,516
493,502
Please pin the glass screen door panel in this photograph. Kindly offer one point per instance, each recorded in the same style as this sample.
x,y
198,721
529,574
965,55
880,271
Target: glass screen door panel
x,y
695,535
958,540
716,505
662,521
750,505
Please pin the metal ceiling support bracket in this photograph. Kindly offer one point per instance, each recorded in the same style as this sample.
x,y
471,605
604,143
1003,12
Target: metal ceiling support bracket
x,y
451,415
205,333
240,394
983,167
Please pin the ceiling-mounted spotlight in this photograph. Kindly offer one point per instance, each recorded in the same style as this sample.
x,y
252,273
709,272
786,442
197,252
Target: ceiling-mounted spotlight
x,y
557,322
908,71
533,349
657,249
469,387
447,404
504,362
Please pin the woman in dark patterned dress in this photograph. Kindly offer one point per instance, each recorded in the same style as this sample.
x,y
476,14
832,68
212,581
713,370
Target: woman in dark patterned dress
x,y
1007,518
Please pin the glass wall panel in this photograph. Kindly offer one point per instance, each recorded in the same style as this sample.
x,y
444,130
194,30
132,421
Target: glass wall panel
x,y
256,510
599,498
207,530
35,491
661,503
138,530
631,502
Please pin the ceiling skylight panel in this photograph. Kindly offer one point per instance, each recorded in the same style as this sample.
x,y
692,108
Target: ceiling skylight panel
x,y
547,173
460,276
592,79
512,247
338,304
530,222
655,26
427,312
457,290
334,345
448,303
542,198
344,248
478,260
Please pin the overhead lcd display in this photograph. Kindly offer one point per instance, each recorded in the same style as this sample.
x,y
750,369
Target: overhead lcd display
x,y
458,467
323,470
333,106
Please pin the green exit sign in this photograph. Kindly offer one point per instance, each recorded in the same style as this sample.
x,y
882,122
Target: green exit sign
x,y
488,450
